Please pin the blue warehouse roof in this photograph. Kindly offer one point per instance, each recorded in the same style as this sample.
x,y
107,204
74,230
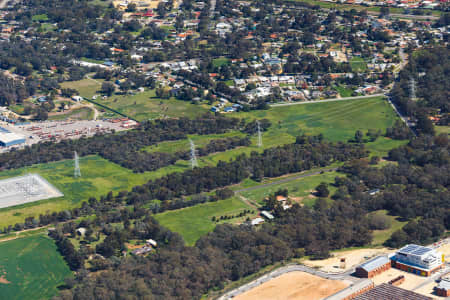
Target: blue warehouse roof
x,y
375,263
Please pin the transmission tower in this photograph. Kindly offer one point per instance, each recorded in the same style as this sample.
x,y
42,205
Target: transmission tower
x,y
412,89
77,172
194,162
259,134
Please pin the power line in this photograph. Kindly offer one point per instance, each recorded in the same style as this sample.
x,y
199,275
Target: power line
x,y
194,162
77,172
259,134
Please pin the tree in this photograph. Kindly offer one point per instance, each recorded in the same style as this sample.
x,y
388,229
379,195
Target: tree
x,y
125,86
424,124
359,136
131,7
41,114
379,221
398,239
108,88
384,11
322,190
161,9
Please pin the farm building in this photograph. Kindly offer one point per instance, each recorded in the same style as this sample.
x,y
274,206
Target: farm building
x,y
77,98
387,291
443,289
417,259
256,221
151,242
373,267
8,138
267,214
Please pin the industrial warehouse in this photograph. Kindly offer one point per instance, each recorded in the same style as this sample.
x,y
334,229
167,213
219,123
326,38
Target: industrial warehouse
x,y
373,267
418,260
8,138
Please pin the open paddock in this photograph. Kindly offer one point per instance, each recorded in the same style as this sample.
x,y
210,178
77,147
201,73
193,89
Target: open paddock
x,y
294,285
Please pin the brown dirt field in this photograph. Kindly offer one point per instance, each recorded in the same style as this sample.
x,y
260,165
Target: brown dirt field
x,y
294,286
132,247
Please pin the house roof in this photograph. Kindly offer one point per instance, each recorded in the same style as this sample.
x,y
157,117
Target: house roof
x,y
375,263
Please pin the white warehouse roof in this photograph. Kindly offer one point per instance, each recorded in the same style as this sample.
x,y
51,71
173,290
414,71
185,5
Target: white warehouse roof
x,y
8,137
375,263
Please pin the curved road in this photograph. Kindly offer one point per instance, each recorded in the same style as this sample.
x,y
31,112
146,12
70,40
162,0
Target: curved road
x,y
283,270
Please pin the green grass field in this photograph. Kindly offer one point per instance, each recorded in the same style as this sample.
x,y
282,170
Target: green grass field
x,y
183,145
300,190
42,17
218,62
344,91
373,9
82,113
146,105
358,64
193,222
86,87
380,236
337,121
31,268
99,176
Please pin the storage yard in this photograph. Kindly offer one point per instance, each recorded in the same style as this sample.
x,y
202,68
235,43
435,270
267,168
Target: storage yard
x,y
59,130
294,285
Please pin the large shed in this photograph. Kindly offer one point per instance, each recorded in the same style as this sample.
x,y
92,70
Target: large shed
x,y
373,267
8,138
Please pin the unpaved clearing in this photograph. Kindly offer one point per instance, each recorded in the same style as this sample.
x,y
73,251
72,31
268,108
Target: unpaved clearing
x,y
352,258
411,280
428,291
445,249
294,286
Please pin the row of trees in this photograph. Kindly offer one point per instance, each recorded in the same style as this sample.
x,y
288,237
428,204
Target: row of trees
x,y
142,161
429,68
124,147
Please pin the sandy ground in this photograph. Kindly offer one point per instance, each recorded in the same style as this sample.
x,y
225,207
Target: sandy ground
x,y
294,285
445,249
352,258
428,291
411,280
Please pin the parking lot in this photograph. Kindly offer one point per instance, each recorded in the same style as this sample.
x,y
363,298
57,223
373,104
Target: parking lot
x,y
36,132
